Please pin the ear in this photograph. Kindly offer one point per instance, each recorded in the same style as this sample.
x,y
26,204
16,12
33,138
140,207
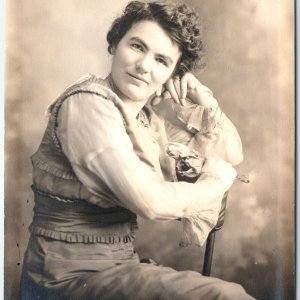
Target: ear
x,y
113,50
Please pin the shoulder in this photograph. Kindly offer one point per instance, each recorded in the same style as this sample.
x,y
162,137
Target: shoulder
x,y
86,84
88,93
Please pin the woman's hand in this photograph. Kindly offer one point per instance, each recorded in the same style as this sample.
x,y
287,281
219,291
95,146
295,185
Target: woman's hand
x,y
189,87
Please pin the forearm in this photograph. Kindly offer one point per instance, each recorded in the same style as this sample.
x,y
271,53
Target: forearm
x,y
137,188
94,140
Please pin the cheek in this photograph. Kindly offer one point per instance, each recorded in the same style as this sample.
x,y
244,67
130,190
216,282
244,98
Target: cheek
x,y
162,76
117,62
120,58
126,57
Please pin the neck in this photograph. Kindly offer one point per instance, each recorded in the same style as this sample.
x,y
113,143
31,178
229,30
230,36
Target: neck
x,y
132,107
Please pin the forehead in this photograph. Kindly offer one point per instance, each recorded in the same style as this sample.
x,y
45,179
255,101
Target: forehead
x,y
155,37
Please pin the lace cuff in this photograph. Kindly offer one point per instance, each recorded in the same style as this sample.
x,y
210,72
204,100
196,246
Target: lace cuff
x,y
197,227
198,119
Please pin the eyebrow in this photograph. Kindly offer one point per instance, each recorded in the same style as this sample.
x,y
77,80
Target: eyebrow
x,y
167,58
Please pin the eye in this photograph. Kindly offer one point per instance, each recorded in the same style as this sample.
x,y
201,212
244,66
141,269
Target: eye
x,y
162,61
137,46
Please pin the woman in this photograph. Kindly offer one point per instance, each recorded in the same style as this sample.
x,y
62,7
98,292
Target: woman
x,y
103,160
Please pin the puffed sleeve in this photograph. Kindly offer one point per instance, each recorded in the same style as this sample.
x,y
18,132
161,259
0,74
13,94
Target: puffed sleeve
x,y
207,130
94,139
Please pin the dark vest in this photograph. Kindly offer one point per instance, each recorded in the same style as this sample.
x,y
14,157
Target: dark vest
x,y
61,208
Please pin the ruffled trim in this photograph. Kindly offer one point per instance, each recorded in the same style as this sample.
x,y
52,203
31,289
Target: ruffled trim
x,y
204,120
84,79
81,238
197,227
42,165
199,119
89,84
58,198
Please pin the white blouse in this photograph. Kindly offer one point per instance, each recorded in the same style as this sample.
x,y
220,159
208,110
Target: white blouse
x,y
106,158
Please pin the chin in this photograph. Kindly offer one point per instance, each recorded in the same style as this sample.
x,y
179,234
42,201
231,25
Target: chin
x,y
135,94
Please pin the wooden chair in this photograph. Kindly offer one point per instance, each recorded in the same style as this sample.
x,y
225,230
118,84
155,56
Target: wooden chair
x,y
210,242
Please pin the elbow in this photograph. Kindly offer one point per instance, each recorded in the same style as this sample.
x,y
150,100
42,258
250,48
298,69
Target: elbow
x,y
235,155
237,159
239,156
240,159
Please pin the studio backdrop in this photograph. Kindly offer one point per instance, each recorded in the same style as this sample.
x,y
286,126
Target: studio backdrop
x,y
249,47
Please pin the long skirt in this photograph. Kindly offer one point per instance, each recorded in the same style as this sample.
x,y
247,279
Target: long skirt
x,y
55,269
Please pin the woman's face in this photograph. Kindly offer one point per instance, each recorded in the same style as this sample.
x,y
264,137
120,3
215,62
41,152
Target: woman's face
x,y
143,61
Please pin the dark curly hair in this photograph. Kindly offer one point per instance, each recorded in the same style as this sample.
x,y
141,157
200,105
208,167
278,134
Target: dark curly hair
x,y
180,22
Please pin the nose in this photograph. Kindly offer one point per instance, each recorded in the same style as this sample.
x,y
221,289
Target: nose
x,y
143,65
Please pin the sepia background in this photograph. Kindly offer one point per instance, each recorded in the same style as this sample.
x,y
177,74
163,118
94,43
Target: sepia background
x,y
250,68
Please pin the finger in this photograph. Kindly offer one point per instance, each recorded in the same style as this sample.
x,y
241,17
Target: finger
x,y
184,87
171,88
166,95
176,82
158,93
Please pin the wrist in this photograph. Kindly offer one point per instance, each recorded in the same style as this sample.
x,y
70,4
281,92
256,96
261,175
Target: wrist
x,y
203,96
215,111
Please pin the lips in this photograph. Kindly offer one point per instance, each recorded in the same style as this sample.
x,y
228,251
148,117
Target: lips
x,y
137,77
